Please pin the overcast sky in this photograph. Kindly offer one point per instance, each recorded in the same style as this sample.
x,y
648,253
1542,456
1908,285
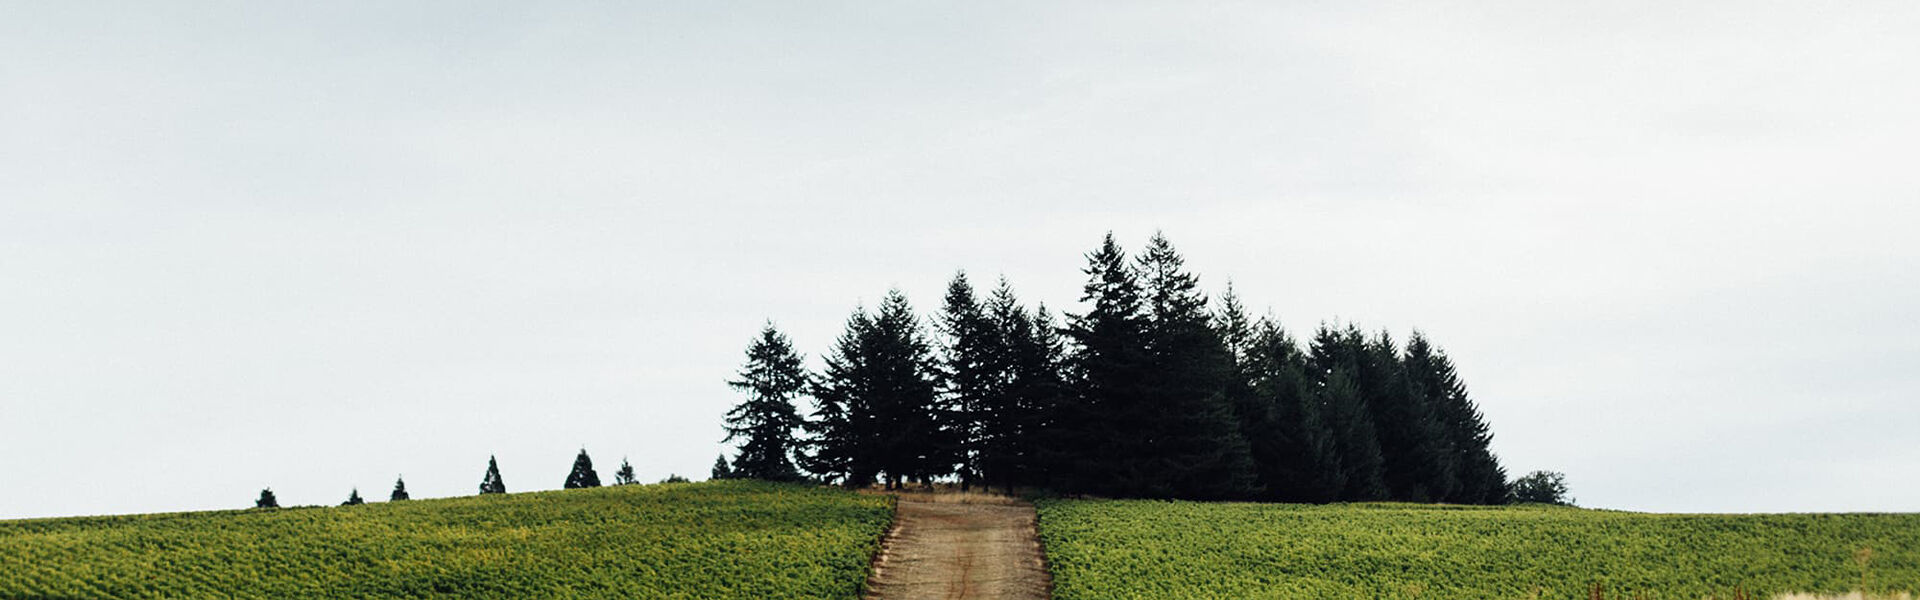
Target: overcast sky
x,y
316,245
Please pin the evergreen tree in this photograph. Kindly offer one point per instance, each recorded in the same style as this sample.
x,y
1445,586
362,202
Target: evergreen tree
x,y
1192,433
772,379
1337,358
582,475
399,490
1477,475
720,469
837,448
624,476
266,500
1292,447
973,366
1415,465
353,498
491,482
1097,446
1354,444
877,404
1253,413
1028,399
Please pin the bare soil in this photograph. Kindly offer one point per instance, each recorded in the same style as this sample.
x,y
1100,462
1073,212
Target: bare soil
x,y
954,546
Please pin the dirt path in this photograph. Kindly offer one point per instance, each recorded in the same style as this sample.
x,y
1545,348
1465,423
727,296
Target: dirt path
x,y
952,547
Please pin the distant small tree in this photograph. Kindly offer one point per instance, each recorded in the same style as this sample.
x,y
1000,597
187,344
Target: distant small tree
x,y
399,490
720,468
491,483
1543,487
582,475
354,498
671,478
624,476
266,500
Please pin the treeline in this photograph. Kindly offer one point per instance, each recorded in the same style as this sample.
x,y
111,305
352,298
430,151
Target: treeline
x,y
1153,391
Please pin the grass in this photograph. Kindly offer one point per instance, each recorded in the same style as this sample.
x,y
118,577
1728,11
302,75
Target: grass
x,y
729,539
1155,549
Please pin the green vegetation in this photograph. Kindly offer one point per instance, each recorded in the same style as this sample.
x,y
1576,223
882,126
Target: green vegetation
x,y
731,539
1159,549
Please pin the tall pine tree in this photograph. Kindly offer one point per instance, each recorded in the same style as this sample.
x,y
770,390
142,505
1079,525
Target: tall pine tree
x,y
766,420
973,365
1029,398
1096,447
878,409
837,447
1414,466
1192,438
1336,358
399,490
1477,475
1292,447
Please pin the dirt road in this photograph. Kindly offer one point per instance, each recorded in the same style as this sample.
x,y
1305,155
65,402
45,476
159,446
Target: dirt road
x,y
954,546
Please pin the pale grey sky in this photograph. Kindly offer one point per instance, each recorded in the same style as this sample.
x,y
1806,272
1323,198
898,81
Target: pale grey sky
x,y
315,246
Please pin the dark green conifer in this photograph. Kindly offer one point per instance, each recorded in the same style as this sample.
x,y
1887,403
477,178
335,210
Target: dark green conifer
x,y
491,482
720,469
765,422
1191,435
582,475
1415,466
1098,446
1025,407
837,448
1477,474
877,404
399,490
354,498
973,364
266,500
1292,447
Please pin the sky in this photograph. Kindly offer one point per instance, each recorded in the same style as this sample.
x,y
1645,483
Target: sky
x,y
318,246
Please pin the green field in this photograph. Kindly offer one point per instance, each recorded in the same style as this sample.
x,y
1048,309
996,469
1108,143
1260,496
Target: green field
x,y
731,539
1154,549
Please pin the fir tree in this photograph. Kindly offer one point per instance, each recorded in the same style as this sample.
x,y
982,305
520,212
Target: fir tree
x,y
1192,433
720,469
266,500
1477,474
1027,369
582,475
1414,466
877,404
491,482
973,364
399,490
624,476
1098,447
1292,447
353,498
837,448
765,421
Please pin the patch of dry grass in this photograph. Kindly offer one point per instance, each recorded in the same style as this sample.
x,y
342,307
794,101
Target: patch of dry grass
x,y
1852,596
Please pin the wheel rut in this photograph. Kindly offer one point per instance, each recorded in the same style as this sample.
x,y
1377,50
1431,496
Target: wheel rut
x,y
958,547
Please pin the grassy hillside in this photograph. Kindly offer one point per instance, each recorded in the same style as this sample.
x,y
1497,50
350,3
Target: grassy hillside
x,y
1149,549
731,539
